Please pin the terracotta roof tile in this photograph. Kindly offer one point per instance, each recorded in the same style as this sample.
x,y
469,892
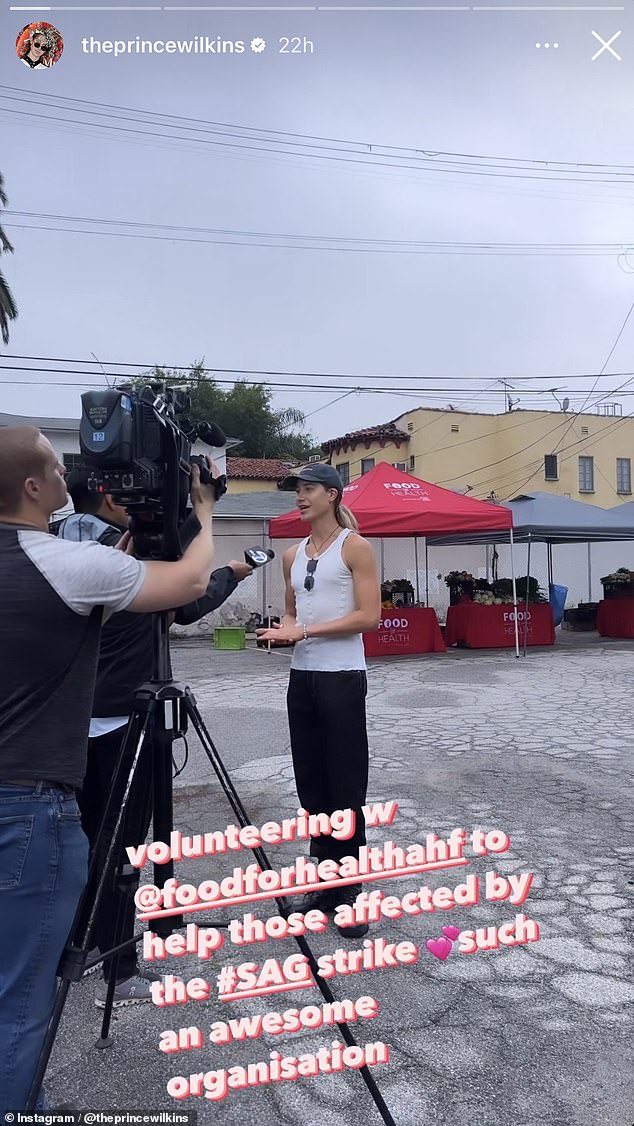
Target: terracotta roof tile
x,y
386,431
258,468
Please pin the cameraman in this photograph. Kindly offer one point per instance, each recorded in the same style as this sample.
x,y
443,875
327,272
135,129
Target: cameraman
x,y
125,662
54,596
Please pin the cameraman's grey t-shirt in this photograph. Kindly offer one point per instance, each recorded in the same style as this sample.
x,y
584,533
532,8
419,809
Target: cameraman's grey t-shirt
x,y
52,598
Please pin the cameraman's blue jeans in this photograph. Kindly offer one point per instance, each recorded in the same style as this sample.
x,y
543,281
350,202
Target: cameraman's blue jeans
x,y
43,870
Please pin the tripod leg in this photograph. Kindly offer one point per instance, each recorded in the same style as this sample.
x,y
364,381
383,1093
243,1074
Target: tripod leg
x,y
126,880
163,821
105,854
105,1040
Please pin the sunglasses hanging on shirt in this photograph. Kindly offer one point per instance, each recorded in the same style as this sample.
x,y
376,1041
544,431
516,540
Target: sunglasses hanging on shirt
x,y
311,567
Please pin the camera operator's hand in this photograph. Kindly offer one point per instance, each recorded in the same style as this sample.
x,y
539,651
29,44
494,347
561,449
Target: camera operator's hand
x,y
203,496
125,544
240,570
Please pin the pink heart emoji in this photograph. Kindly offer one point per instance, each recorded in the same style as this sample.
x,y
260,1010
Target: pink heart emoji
x,y
451,932
439,947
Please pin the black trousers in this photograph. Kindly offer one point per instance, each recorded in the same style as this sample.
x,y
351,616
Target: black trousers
x,y
102,757
329,744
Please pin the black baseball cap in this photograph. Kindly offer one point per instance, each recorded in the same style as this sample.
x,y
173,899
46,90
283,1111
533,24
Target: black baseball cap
x,y
316,474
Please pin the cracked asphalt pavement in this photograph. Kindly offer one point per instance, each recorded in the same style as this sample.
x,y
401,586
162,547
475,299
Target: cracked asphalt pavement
x,y
533,1035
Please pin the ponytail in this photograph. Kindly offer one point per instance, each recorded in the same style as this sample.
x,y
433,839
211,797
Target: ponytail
x,y
344,517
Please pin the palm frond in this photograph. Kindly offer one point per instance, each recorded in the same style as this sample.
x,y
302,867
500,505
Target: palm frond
x,y
289,416
8,307
5,245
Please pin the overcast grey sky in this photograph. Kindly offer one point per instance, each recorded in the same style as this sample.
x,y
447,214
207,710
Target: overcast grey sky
x,y
455,82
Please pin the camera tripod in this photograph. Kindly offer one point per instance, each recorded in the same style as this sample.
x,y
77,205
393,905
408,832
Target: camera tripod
x,y
149,738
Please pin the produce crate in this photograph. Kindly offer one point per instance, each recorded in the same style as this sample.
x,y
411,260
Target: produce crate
x,y
230,637
402,598
458,592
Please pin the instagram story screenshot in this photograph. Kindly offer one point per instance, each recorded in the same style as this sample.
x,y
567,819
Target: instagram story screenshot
x,y
316,564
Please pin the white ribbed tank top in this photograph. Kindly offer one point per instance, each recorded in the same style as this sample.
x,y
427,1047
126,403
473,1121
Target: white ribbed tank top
x,y
332,597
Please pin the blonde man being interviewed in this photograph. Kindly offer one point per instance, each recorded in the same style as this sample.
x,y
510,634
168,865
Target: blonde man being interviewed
x,y
332,596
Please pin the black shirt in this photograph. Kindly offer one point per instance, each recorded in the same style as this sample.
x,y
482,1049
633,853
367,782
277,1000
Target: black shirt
x,y
52,599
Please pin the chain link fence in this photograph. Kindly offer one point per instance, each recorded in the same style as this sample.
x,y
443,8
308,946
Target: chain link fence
x,y
262,593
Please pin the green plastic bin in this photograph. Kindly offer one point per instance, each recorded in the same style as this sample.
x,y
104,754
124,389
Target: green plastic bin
x,y
230,637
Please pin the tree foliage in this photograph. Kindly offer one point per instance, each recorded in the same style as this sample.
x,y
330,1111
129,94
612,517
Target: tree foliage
x,y
8,308
244,412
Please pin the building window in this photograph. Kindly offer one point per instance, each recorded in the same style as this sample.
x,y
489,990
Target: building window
x,y
412,463
72,461
343,469
402,465
623,475
586,474
367,463
550,467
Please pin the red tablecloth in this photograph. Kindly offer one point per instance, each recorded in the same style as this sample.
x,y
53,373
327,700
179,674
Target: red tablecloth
x,y
493,627
615,617
405,630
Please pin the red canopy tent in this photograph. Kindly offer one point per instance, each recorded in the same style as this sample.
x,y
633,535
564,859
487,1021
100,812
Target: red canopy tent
x,y
388,502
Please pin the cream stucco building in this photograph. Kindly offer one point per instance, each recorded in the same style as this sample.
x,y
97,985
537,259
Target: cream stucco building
x,y
586,456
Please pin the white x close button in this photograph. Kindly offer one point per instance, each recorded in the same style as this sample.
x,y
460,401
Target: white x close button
x,y
606,45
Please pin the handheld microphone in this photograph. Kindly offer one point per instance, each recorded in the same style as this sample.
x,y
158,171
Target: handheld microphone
x,y
258,556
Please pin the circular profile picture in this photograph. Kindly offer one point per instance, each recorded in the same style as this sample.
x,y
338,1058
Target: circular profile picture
x,y
39,45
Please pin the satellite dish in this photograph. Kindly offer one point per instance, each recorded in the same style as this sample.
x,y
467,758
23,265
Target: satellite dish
x,y
566,404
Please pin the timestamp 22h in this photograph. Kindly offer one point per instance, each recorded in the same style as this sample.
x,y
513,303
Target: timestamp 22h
x,y
296,45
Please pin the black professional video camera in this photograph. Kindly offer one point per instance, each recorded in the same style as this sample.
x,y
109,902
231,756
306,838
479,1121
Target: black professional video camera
x,y
135,450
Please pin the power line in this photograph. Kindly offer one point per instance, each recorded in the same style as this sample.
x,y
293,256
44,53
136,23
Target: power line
x,y
438,418
587,443
457,445
313,140
185,369
599,376
554,175
229,237
533,465
591,446
457,395
452,445
542,437
617,391
300,388
329,404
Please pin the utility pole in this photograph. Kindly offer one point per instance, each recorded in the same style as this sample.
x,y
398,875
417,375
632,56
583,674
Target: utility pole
x,y
509,403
